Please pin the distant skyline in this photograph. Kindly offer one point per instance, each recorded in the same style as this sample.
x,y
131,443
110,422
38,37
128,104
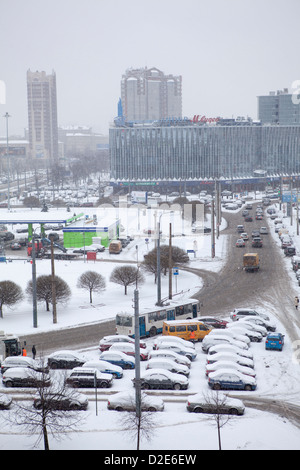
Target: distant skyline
x,y
227,51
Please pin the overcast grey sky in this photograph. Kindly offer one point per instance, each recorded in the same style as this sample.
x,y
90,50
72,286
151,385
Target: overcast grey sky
x,y
227,51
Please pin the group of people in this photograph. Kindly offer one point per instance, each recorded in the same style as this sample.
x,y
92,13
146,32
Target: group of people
x,y
33,350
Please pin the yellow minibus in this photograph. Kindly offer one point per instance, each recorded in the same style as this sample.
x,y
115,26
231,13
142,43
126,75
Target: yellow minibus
x,y
190,330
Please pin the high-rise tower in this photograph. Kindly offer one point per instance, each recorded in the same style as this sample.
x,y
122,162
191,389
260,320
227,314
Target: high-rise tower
x,y
149,94
42,115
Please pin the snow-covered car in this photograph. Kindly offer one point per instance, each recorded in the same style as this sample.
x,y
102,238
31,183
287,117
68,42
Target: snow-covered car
x,y
106,368
173,339
22,361
126,401
229,348
245,323
163,379
227,379
251,333
260,322
107,341
168,364
129,348
232,357
229,365
169,354
24,377
87,377
200,403
65,359
233,333
187,352
239,313
213,340
118,358
5,401
61,401
213,321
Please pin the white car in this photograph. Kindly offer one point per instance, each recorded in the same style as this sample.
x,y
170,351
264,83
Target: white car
x,y
21,361
169,354
245,323
260,322
233,333
246,370
173,339
200,403
168,364
210,341
229,348
129,348
125,401
106,342
106,368
237,328
232,357
187,352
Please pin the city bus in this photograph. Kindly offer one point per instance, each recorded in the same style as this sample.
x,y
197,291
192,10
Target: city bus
x,y
151,319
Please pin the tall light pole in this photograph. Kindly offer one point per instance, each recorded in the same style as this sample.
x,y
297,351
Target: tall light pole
x,y
8,162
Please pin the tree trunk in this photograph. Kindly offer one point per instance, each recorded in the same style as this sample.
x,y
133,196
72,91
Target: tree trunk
x,y
91,292
47,306
45,434
125,289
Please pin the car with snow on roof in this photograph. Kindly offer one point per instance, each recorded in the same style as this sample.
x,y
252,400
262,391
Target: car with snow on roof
x,y
106,368
118,358
187,352
234,334
253,335
24,377
213,340
229,365
107,341
229,348
88,377
172,339
222,404
169,354
126,401
65,359
168,364
226,379
232,357
61,401
163,379
129,348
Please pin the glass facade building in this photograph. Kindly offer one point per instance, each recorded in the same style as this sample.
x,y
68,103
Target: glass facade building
x,y
200,152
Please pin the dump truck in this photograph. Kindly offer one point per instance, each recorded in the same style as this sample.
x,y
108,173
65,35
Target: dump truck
x,y
251,262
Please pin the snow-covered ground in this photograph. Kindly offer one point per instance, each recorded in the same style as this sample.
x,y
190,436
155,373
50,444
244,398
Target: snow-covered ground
x,y
278,374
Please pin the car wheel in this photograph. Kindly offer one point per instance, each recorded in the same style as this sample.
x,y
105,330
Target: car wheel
x,y
104,385
152,408
74,406
9,384
177,387
119,408
233,411
145,386
248,388
53,365
153,331
198,409
217,387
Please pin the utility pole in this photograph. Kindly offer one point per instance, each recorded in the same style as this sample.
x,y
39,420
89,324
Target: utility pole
x,y
158,265
8,162
54,314
213,250
137,354
34,299
170,261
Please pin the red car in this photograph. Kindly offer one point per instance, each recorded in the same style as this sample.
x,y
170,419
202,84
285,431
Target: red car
x,y
212,321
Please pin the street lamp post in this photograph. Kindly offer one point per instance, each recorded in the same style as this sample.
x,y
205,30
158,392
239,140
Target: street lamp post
x,y
8,162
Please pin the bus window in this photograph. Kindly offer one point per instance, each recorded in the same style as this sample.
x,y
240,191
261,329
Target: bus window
x,y
179,310
124,320
192,328
181,328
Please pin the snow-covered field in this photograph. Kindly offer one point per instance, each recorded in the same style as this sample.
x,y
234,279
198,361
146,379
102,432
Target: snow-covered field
x,y
278,374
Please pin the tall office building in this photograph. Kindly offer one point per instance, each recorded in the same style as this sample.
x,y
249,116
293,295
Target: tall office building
x,y
42,115
279,108
149,94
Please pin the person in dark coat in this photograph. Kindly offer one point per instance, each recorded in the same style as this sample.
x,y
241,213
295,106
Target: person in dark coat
x,y
33,351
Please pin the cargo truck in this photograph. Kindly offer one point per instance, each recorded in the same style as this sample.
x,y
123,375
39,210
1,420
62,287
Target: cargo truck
x,y
251,262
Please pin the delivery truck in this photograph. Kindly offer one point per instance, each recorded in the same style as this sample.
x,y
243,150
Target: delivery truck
x,y
251,262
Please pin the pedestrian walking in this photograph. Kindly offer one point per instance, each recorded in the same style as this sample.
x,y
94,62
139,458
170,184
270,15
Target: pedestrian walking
x,y
296,302
33,351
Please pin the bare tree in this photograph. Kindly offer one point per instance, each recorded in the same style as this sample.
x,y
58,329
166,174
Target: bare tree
x,y
49,416
10,294
139,426
179,258
126,276
91,281
44,290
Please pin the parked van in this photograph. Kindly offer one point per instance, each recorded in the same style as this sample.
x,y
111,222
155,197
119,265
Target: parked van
x,y
115,247
184,328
